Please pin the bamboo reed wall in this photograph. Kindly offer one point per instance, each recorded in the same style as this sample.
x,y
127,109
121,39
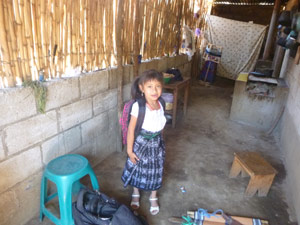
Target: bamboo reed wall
x,y
59,37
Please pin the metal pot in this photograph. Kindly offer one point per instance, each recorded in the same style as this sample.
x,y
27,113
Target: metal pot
x,y
290,42
285,18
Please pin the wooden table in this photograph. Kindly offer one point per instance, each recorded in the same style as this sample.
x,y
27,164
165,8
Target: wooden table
x,y
261,172
175,87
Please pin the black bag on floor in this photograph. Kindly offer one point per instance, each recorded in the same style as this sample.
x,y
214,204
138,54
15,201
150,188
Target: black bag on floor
x,y
95,208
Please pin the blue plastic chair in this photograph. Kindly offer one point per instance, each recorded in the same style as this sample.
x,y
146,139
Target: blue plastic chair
x,y
66,172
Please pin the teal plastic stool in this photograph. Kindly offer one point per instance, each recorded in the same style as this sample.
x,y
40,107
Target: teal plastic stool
x,y
65,171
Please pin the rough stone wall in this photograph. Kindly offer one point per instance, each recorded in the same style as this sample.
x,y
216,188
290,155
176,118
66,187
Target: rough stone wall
x,y
290,135
81,117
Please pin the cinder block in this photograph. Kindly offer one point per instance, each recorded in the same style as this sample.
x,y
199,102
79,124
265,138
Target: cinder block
x,y
162,64
142,67
113,120
297,94
293,86
294,93
73,114
181,59
127,92
88,150
104,145
172,62
27,193
128,74
18,168
177,61
113,78
99,137
51,150
99,148
151,64
61,92
105,101
291,76
93,83
61,144
94,128
70,139
290,141
181,69
187,68
24,134
8,204
2,153
16,104
290,103
113,129
292,69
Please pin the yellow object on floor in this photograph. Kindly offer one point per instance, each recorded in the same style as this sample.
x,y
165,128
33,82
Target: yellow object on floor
x,y
243,77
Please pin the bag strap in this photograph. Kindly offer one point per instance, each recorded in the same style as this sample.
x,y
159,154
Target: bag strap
x,y
79,202
129,110
141,116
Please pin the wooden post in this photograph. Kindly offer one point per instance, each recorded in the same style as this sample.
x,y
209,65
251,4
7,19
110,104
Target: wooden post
x,y
120,69
284,63
277,60
272,26
179,26
136,41
141,26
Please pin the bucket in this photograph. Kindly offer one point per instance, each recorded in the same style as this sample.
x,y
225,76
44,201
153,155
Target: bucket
x,y
168,97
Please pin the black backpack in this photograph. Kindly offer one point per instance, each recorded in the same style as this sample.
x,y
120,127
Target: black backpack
x,y
96,208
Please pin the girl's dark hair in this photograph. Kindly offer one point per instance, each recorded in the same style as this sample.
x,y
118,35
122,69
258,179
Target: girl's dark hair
x,y
142,79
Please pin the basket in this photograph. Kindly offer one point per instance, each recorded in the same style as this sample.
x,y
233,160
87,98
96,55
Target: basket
x,y
167,77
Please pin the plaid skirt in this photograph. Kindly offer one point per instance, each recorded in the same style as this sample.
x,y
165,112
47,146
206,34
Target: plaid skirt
x,y
147,173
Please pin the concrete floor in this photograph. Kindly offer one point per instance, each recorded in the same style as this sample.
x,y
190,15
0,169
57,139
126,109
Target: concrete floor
x,y
199,157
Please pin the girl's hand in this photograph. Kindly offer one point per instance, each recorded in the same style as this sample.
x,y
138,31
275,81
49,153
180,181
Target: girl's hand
x,y
133,157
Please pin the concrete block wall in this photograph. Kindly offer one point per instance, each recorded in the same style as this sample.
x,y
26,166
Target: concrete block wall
x,y
290,136
81,117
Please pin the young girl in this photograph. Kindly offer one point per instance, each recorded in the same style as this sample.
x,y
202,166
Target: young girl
x,y
146,150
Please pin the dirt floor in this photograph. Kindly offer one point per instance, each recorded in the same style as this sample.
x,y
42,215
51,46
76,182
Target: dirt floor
x,y
199,155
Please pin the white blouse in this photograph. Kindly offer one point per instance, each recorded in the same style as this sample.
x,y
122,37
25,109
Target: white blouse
x,y
154,121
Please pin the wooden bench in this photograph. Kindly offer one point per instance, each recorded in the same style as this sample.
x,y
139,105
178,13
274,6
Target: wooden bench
x,y
261,172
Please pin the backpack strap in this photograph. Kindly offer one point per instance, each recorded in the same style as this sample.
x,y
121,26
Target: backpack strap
x,y
129,111
141,116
